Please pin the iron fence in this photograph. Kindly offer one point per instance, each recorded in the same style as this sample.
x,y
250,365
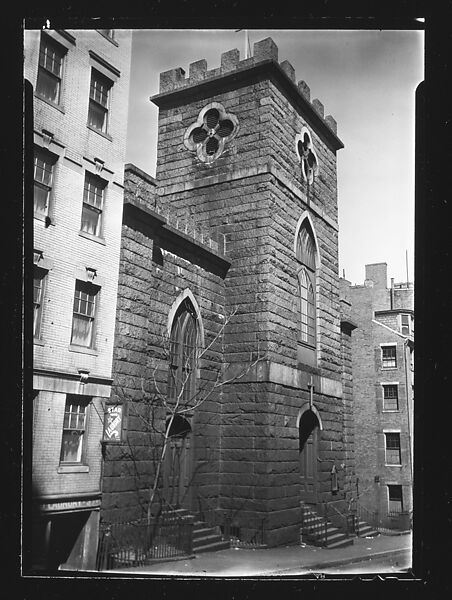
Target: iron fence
x,y
253,536
313,528
137,543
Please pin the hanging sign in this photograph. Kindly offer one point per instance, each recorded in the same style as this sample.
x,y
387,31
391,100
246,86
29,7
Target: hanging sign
x,y
113,422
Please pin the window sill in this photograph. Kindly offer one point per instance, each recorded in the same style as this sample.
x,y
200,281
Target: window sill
x,y
104,135
82,350
112,40
390,410
73,469
38,342
388,465
50,103
389,368
94,238
46,219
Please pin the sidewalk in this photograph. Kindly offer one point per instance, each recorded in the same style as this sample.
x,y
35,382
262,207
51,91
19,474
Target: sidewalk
x,y
293,560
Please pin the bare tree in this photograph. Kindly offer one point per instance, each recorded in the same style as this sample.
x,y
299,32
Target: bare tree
x,y
167,395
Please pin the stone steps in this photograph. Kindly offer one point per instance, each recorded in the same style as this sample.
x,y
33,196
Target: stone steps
x,y
334,538
205,538
366,530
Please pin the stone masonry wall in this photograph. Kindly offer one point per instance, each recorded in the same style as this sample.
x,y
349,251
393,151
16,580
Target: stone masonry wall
x,y
150,281
254,195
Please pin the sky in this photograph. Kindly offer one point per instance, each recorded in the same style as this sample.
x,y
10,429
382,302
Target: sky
x,y
366,79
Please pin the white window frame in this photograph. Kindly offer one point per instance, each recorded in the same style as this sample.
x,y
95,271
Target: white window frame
x,y
43,69
79,401
50,159
387,345
90,316
388,484
383,384
392,431
94,103
410,318
99,183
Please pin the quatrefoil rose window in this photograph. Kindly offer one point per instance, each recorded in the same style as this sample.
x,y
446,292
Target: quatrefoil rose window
x,y
307,155
212,131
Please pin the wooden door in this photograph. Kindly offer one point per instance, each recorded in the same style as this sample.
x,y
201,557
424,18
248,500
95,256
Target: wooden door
x,y
308,468
177,471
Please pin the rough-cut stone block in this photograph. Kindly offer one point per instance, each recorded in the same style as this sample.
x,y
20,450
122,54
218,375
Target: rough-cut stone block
x,y
230,60
318,106
288,70
331,123
197,70
304,89
170,79
265,49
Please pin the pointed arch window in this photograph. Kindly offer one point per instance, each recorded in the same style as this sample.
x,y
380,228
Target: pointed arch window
x,y
183,355
306,274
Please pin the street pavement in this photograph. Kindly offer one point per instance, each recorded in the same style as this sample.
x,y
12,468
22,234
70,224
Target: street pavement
x,y
381,554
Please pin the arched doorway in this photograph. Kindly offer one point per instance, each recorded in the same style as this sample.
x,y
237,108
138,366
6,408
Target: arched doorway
x,y
308,432
177,462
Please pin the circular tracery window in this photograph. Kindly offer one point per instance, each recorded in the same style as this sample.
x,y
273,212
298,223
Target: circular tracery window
x,y
307,155
213,129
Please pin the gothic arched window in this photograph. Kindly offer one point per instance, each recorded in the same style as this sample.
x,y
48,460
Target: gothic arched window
x,y
183,355
306,274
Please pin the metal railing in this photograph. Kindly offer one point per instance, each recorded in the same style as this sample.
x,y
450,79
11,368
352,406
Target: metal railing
x,y
344,519
314,528
253,538
136,543
378,520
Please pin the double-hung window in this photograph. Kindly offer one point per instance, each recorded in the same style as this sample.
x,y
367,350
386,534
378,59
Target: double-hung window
x,y
99,100
395,499
392,443
93,202
405,324
38,294
390,397
74,429
389,357
84,314
50,71
44,164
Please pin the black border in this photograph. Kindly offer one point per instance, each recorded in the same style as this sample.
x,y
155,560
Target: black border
x,y
432,528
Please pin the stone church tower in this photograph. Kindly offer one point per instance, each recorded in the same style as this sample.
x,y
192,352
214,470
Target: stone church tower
x,y
247,160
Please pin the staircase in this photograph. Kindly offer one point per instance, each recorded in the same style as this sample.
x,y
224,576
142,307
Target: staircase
x,y
205,538
316,530
366,530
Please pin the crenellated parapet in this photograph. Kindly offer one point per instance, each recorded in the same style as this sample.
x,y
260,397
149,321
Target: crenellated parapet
x,y
264,52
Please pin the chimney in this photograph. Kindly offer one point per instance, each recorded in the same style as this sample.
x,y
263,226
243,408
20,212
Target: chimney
x,y
378,273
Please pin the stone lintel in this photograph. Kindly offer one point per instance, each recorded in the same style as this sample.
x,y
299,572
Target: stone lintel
x,y
69,383
267,371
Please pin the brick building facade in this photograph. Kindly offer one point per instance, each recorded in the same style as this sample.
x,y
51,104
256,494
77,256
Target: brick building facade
x,y
241,220
382,358
81,84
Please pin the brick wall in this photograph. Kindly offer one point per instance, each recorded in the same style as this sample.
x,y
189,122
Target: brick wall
x,y
371,420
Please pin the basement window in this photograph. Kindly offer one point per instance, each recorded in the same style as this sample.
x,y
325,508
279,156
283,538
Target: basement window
x,y
395,499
